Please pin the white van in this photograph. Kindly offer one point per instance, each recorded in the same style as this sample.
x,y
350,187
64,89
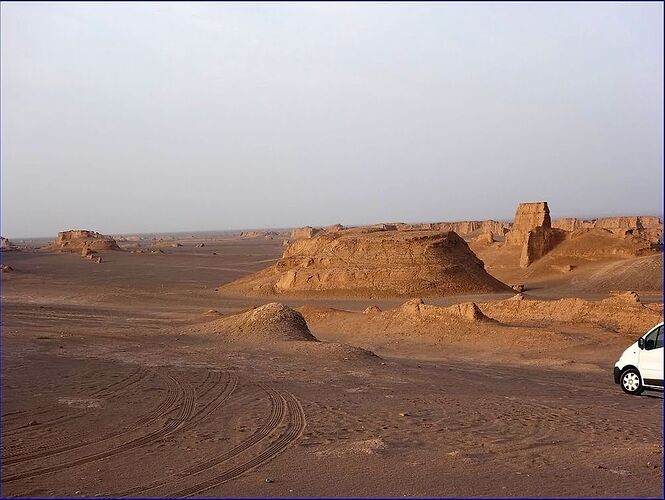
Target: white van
x,y
640,366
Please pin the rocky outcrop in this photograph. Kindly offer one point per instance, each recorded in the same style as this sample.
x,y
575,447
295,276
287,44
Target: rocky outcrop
x,y
528,217
77,240
304,232
539,242
373,262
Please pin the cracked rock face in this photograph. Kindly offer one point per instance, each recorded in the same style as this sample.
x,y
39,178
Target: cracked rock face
x,y
373,262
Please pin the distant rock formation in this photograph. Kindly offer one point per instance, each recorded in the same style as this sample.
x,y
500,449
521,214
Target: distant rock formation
x,y
77,240
258,234
647,226
462,228
384,227
373,262
304,232
573,224
528,216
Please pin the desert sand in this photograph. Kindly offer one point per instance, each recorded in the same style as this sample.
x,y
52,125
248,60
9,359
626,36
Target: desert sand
x,y
387,360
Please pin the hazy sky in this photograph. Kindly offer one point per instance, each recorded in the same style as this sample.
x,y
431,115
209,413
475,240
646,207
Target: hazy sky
x,y
165,117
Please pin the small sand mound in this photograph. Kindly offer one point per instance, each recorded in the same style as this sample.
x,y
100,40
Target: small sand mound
x,y
269,322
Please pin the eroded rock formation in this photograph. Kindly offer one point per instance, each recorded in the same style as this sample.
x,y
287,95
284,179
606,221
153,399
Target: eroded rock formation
x,y
77,240
374,262
528,217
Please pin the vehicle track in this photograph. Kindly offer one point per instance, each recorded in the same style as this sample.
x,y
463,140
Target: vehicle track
x,y
109,392
294,429
164,407
277,410
185,399
230,384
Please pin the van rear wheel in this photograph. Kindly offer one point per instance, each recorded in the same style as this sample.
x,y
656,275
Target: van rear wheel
x,y
631,383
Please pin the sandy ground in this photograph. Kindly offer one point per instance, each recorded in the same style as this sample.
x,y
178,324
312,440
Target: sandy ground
x,y
113,386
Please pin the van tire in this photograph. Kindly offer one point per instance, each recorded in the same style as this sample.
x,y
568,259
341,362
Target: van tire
x,y
631,382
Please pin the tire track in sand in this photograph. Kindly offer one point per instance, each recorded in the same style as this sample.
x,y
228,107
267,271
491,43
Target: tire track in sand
x,y
104,392
295,427
185,399
277,411
164,407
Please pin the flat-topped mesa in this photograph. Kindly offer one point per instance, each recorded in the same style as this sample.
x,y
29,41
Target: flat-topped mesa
x,y
77,240
528,216
373,263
